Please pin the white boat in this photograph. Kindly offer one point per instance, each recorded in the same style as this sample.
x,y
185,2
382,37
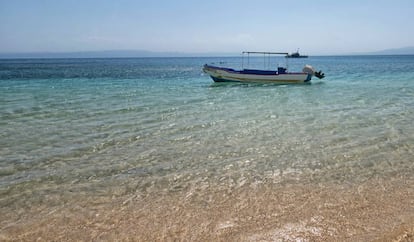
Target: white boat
x,y
279,76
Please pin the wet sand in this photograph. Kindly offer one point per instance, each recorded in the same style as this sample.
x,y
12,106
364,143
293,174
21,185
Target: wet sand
x,y
378,209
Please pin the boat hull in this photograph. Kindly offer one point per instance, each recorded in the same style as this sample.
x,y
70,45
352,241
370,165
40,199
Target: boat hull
x,y
219,74
301,56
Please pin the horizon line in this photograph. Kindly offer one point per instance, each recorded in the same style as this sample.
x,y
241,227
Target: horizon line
x,y
155,54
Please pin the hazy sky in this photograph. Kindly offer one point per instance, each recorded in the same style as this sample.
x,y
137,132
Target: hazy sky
x,y
316,27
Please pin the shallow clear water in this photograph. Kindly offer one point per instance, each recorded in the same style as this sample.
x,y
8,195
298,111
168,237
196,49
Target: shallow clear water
x,y
159,125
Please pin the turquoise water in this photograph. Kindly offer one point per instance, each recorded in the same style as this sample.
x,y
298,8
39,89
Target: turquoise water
x,y
161,125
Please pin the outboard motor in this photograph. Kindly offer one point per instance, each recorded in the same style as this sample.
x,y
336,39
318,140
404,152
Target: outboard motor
x,y
308,69
319,74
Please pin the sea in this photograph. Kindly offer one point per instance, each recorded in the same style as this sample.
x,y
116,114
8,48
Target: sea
x,y
81,139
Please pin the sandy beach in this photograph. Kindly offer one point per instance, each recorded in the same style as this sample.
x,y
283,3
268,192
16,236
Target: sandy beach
x,y
375,210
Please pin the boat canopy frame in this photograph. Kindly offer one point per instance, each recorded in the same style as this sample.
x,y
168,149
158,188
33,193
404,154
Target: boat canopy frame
x,y
265,54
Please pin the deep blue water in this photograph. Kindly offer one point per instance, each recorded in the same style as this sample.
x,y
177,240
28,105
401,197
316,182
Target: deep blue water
x,y
82,122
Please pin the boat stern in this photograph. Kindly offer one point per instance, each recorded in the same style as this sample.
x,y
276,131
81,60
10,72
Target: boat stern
x,y
308,69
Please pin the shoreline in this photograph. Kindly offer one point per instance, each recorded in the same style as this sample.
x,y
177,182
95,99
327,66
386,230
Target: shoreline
x,y
378,209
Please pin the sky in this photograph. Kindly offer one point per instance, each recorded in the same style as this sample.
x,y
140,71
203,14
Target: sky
x,y
206,26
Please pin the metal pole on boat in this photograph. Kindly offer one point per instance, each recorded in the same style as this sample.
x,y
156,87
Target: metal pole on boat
x,y
287,64
242,60
269,62
248,59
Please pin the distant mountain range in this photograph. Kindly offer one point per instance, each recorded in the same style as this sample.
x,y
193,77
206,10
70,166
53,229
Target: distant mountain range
x,y
398,51
143,53
110,54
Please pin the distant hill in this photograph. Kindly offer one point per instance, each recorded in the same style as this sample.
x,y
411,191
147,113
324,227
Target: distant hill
x,y
143,53
79,54
398,51
109,54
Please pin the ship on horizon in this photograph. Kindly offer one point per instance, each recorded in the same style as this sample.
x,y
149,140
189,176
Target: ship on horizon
x,y
296,55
